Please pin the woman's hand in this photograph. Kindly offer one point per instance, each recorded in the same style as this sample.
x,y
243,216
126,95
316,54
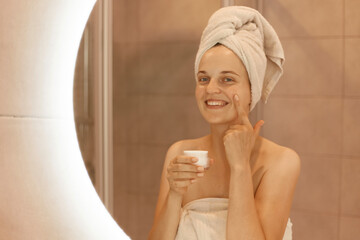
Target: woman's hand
x,y
239,139
182,172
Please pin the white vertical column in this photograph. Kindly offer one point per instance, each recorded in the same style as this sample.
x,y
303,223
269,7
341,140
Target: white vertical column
x,y
225,3
108,104
103,104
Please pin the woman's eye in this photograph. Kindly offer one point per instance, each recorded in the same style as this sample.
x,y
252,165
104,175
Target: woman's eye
x,y
228,79
203,79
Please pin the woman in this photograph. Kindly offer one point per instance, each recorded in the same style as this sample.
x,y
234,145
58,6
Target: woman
x,y
247,191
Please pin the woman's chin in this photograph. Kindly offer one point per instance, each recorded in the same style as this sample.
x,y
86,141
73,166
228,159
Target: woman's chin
x,y
218,118
218,121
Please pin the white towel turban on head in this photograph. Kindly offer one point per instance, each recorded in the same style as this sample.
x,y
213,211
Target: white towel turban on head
x,y
251,37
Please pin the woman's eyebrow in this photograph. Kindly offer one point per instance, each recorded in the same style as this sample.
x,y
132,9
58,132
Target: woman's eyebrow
x,y
203,72
223,72
230,72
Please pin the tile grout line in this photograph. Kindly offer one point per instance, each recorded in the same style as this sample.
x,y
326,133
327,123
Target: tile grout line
x,y
342,96
304,154
193,41
137,94
311,211
324,37
342,122
315,212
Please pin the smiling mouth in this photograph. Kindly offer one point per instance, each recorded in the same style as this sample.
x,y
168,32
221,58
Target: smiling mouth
x,y
214,104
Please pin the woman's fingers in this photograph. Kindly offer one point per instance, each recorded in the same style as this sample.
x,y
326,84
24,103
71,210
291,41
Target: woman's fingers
x,y
184,164
180,167
185,175
183,183
185,159
182,172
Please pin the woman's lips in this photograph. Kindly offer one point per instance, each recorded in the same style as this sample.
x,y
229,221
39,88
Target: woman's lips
x,y
215,106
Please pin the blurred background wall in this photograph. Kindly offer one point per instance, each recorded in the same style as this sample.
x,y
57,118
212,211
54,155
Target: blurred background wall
x,y
314,109
155,43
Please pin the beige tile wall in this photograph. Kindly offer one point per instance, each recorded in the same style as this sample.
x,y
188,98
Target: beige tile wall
x,y
314,109
318,102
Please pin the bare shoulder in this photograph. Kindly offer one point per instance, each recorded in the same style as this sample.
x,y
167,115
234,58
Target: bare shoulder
x,y
289,160
173,150
283,158
178,147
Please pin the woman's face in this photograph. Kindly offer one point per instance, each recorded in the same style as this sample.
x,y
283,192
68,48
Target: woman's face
x,y
221,75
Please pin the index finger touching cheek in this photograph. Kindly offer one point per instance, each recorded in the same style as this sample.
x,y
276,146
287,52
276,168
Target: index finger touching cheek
x,y
242,117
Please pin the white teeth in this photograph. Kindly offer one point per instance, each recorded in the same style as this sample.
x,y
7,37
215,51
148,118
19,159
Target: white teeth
x,y
215,103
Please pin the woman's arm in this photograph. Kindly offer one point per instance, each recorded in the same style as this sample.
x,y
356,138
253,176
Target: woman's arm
x,y
178,174
167,212
243,221
266,215
167,220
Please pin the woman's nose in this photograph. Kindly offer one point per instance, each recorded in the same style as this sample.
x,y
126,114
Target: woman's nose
x,y
212,87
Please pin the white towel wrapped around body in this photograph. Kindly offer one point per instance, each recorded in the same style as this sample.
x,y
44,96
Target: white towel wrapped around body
x,y
205,219
251,37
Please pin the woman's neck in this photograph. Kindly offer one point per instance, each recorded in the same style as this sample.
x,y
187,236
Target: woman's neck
x,y
216,140
217,133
